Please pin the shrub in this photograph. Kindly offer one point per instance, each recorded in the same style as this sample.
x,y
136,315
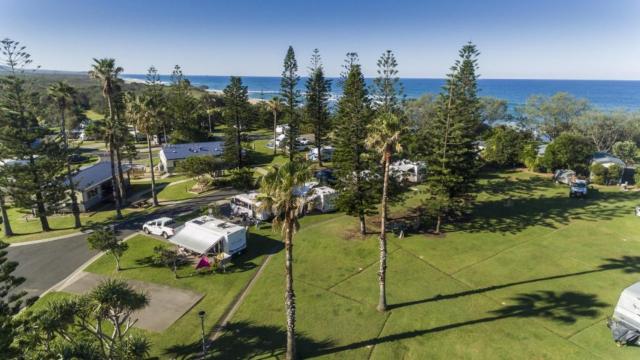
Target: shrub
x,y
505,146
242,179
636,177
569,151
625,150
614,173
599,174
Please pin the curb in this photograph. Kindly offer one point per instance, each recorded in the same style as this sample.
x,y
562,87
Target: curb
x,y
79,270
61,237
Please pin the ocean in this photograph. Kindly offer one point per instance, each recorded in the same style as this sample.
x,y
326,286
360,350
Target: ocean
x,y
603,94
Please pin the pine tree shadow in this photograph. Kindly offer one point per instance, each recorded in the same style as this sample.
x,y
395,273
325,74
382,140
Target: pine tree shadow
x,y
565,308
626,264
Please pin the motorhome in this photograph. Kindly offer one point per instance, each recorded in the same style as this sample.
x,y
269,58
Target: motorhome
x,y
248,205
408,171
209,235
625,322
322,198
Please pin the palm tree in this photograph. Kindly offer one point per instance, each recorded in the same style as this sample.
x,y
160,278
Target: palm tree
x,y
143,113
275,106
384,136
63,94
278,195
106,71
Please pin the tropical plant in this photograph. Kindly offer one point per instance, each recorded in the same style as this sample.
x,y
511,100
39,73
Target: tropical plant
x,y
63,94
106,71
105,239
278,194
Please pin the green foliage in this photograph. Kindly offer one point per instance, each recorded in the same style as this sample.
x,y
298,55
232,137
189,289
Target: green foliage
x,y
506,146
317,105
569,151
554,115
615,173
236,109
10,300
169,258
242,179
199,166
183,110
78,327
105,239
636,177
604,128
291,98
626,151
448,147
492,110
599,174
529,157
355,167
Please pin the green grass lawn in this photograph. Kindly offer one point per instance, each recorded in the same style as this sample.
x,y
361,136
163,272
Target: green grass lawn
x,y
177,191
530,274
27,228
92,115
219,289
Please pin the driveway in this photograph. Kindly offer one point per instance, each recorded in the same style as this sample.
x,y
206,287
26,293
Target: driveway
x,y
45,264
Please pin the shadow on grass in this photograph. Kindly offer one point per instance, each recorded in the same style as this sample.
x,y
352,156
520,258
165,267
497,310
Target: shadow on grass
x,y
563,308
626,264
512,215
243,340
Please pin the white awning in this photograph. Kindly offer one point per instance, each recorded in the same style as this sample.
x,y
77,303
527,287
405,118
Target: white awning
x,y
194,239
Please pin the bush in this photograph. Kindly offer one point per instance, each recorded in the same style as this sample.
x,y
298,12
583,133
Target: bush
x,y
242,179
569,151
625,150
636,177
505,146
599,174
615,174
199,166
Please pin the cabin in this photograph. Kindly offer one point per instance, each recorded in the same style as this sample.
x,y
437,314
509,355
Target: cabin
x,y
94,185
209,235
247,205
408,171
172,154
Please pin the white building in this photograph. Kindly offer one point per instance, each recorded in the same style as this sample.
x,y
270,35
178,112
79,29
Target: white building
x,y
172,154
206,234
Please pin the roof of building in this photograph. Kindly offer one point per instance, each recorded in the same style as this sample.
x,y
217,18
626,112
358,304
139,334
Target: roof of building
x,y
606,158
249,197
94,175
406,165
183,151
202,233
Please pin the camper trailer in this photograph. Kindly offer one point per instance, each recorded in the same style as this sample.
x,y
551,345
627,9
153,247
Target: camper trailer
x,y
248,205
322,198
206,234
408,171
625,323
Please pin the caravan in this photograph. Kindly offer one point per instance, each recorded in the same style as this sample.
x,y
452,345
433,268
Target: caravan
x,y
248,205
625,323
408,171
206,234
322,198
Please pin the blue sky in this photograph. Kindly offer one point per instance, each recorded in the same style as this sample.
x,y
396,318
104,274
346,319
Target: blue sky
x,y
548,39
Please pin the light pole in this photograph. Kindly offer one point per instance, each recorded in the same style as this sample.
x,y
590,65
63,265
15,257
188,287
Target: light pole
x,y
201,314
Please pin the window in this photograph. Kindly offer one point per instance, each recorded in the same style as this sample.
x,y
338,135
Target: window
x,y
92,193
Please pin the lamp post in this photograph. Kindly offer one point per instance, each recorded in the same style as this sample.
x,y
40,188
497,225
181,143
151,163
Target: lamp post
x,y
201,314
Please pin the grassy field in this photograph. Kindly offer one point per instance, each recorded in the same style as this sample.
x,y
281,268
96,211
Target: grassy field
x,y
183,336
531,274
27,228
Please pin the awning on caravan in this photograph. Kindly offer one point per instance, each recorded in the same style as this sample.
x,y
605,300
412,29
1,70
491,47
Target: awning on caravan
x,y
194,239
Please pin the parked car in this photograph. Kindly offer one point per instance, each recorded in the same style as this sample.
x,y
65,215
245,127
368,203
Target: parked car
x,y
578,188
164,226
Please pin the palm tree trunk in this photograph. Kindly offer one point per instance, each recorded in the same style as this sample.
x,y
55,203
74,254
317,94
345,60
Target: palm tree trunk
x,y
5,218
117,262
438,222
382,273
363,226
275,137
75,210
290,297
153,177
123,190
114,181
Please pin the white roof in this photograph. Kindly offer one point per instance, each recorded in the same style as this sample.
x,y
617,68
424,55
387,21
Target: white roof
x,y
406,165
183,151
249,197
202,233
632,291
324,190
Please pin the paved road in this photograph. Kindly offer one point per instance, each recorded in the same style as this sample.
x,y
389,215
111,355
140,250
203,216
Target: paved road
x,y
45,264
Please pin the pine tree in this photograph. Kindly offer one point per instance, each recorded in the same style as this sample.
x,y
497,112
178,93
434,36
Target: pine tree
x,y
317,106
450,152
291,98
183,108
355,169
10,301
236,103
39,159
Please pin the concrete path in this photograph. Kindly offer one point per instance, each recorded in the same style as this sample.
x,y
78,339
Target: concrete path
x,y
166,304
